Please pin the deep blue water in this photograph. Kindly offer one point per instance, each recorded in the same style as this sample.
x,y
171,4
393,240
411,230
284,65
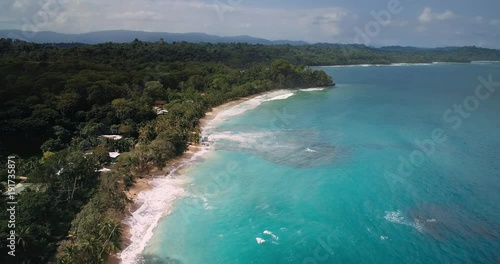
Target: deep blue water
x,y
336,176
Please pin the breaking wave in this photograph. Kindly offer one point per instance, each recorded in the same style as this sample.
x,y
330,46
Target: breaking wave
x,y
398,218
295,148
154,204
312,89
247,106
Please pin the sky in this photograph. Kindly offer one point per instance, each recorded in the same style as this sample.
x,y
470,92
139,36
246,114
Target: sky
x,y
421,23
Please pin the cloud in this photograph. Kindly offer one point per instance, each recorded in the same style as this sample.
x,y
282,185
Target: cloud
x,y
428,16
323,21
328,18
20,4
138,15
446,15
495,22
307,20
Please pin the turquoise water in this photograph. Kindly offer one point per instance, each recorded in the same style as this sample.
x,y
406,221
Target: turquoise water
x,y
315,177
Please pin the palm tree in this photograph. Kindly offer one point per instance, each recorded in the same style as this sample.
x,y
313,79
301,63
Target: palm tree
x,y
111,231
23,237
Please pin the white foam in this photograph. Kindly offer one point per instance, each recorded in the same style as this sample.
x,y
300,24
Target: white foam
x,y
484,62
312,89
206,205
239,137
260,240
380,65
400,64
156,203
267,232
262,206
409,64
280,97
417,225
247,105
349,66
446,63
395,217
398,218
311,150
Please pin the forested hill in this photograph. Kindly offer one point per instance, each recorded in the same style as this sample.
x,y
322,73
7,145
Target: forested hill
x,y
243,54
315,54
59,105
125,36
76,85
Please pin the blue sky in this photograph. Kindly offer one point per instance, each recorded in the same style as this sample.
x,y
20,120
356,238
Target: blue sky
x,y
423,23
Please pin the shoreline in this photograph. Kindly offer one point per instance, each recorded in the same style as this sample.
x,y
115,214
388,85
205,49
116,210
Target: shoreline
x,y
143,183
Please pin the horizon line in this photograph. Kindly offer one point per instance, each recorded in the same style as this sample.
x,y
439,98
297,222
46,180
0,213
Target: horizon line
x,y
305,43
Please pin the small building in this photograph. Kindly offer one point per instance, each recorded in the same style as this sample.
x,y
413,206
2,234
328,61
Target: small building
x,y
160,110
104,170
112,137
114,155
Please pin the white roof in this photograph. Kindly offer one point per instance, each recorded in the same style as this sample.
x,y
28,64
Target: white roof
x,y
113,137
114,154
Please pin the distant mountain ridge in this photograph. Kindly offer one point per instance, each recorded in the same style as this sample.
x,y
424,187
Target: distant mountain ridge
x,y
124,36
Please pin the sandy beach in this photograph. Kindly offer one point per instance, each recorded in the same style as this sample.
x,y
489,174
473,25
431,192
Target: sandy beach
x,y
143,183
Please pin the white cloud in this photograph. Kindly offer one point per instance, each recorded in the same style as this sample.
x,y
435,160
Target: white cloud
x,y
225,18
138,15
20,4
446,15
237,17
495,22
428,16
323,21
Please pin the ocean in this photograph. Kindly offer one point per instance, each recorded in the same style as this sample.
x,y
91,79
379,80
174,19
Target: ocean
x,y
396,164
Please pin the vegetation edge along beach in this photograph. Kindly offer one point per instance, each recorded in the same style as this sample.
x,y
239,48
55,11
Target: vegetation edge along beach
x,y
104,118
172,166
85,122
